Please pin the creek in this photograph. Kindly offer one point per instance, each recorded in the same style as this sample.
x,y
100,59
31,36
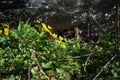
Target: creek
x,y
61,14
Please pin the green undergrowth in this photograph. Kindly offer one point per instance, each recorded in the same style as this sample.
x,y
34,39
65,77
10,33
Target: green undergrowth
x,y
35,53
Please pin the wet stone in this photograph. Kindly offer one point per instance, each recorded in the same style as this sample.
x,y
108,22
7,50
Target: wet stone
x,y
60,14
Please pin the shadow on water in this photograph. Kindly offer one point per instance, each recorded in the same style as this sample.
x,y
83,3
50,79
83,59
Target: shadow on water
x,y
60,14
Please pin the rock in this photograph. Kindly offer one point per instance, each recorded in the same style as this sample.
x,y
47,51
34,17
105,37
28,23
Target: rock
x,y
60,14
12,4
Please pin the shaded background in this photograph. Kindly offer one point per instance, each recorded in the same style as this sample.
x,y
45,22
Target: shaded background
x,y
61,14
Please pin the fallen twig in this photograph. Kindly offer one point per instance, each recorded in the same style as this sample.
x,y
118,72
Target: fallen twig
x,y
87,60
104,67
40,68
38,54
97,23
29,77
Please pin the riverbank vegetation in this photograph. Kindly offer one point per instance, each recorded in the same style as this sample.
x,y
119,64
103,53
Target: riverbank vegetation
x,y
36,53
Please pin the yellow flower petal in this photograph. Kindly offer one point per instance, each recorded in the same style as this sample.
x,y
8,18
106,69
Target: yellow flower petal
x,y
60,38
6,31
54,35
50,33
44,25
63,46
47,30
49,27
38,21
0,31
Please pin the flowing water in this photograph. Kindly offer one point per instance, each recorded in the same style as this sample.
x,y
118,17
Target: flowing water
x,y
61,14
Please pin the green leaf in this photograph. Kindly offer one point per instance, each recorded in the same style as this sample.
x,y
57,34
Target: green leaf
x,y
2,61
34,70
46,65
2,39
19,26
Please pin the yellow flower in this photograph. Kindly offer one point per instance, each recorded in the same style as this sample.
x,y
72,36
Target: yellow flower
x,y
60,38
63,46
45,28
38,21
6,31
49,27
0,31
50,33
54,35
44,25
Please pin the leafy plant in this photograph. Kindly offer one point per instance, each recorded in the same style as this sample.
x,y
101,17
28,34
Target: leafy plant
x,y
35,53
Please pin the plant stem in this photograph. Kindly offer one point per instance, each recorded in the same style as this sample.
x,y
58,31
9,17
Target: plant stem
x,y
104,67
35,59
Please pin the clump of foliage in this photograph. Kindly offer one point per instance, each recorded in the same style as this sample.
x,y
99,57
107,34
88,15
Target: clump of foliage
x,y
36,53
